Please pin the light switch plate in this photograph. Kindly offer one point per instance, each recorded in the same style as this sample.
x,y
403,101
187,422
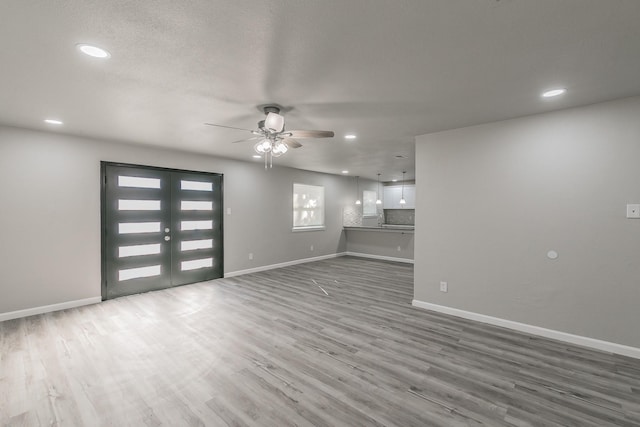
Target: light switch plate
x,y
633,211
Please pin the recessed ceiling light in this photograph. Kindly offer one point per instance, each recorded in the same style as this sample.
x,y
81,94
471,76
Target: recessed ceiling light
x,y
93,51
257,156
345,171
350,136
553,92
53,121
394,180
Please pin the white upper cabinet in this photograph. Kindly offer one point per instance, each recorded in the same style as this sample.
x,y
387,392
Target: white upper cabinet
x,y
410,196
393,194
391,197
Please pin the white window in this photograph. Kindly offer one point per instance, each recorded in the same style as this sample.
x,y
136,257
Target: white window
x,y
369,204
308,207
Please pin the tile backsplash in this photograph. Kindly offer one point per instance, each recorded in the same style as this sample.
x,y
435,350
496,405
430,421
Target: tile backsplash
x,y
400,216
352,216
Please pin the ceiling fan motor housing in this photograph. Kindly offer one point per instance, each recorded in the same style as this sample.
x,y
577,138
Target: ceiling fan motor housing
x,y
271,109
274,123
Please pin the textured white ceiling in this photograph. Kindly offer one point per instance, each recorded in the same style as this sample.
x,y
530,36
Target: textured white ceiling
x,y
386,70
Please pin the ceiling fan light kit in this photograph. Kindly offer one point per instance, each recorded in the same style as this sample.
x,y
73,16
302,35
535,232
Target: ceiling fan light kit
x,y
273,140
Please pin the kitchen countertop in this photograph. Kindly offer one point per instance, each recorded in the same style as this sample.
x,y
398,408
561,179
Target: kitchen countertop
x,y
387,228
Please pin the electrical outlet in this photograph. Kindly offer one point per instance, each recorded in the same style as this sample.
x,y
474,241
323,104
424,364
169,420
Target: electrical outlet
x,y
633,211
250,256
444,287
311,248
399,248
228,211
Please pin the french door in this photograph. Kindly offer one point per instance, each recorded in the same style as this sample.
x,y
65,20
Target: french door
x,y
160,228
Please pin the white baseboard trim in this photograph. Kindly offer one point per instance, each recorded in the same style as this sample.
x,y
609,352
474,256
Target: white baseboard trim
x,y
381,257
282,264
534,330
48,308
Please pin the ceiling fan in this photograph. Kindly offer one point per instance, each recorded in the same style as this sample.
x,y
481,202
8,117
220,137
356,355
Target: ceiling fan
x,y
273,139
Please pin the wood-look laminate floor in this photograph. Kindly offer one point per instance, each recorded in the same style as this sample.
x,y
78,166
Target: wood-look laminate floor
x,y
273,349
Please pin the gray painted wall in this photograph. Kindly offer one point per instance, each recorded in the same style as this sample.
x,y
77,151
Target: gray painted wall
x,y
50,193
492,200
381,243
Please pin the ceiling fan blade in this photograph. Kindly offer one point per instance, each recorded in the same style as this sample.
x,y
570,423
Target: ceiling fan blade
x,y
311,133
253,138
291,143
228,127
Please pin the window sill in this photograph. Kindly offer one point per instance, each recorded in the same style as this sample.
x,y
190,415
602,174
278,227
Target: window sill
x,y
311,228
